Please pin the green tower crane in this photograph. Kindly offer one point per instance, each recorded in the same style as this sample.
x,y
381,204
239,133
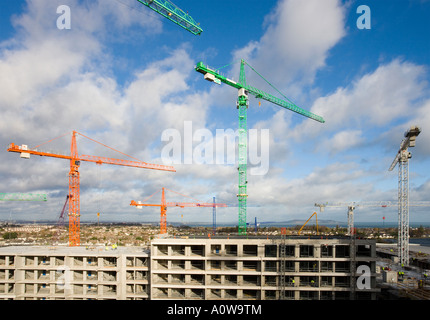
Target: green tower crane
x,y
242,105
22,197
168,10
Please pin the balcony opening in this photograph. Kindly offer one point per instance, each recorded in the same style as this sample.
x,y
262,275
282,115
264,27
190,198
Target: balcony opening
x,y
342,266
250,250
364,251
342,251
199,265
289,251
216,249
230,280
306,251
326,251
230,265
231,249
270,250
198,250
178,250
308,266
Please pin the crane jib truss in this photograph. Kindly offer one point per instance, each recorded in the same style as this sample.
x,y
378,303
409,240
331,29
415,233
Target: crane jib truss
x,y
402,158
168,10
23,197
244,89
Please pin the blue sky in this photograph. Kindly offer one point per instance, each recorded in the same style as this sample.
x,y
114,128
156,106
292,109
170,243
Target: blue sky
x,y
123,75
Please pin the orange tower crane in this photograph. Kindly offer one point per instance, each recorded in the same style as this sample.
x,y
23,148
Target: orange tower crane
x,y
75,159
164,204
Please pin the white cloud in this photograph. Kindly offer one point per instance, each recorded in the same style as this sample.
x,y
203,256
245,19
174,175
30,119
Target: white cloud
x,y
53,82
296,42
341,141
375,99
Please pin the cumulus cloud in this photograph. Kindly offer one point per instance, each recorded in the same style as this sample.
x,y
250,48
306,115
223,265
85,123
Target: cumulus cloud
x,y
55,81
296,41
342,141
392,92
376,98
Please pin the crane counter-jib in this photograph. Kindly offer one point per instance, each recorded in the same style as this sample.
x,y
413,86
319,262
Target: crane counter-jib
x,y
175,14
212,75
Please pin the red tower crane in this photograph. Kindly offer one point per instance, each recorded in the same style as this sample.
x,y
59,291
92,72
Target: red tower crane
x,y
74,179
164,204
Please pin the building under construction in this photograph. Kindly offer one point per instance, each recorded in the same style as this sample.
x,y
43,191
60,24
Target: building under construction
x,y
207,268
294,269
73,273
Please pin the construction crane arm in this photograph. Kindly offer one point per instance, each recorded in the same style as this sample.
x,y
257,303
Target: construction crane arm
x,y
409,141
178,204
212,75
22,197
140,205
195,204
128,163
282,103
26,152
174,14
316,217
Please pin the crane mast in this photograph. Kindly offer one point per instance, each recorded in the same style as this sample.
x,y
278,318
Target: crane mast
x,y
242,105
74,195
402,158
168,10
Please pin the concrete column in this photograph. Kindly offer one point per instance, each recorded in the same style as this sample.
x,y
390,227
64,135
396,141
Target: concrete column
x,y
120,282
317,251
297,251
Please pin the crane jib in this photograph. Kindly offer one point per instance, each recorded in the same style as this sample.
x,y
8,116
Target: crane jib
x,y
213,75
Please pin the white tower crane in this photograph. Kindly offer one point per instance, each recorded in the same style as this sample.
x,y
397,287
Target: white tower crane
x,y
402,157
353,205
